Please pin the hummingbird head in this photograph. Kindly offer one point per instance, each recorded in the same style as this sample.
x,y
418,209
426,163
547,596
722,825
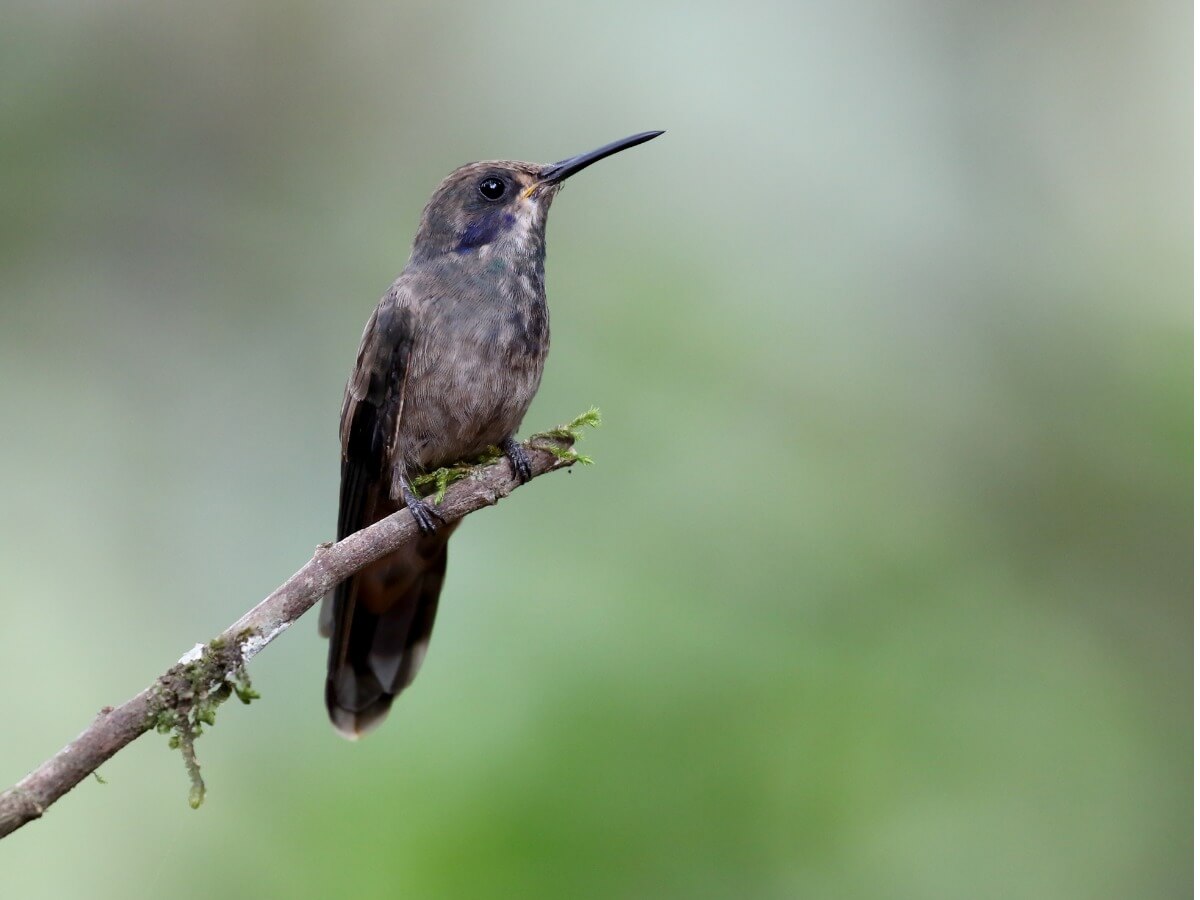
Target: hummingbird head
x,y
500,206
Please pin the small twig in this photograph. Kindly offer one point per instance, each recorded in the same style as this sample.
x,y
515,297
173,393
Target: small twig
x,y
114,728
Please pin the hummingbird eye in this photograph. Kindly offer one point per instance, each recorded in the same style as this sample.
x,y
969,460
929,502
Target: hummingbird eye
x,y
492,188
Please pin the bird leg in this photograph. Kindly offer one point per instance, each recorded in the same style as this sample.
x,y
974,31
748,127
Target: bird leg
x,y
519,458
426,517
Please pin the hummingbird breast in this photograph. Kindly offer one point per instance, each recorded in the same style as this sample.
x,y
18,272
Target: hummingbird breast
x,y
476,366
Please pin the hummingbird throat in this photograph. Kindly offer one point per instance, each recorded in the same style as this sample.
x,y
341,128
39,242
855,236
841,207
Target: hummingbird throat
x,y
503,224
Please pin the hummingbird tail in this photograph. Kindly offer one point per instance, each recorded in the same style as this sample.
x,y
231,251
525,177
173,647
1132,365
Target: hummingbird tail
x,y
379,622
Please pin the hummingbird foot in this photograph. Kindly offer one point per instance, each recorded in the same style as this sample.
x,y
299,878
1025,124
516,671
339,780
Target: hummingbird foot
x,y
519,458
426,517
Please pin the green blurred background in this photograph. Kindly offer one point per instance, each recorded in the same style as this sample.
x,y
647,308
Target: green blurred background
x,y
881,585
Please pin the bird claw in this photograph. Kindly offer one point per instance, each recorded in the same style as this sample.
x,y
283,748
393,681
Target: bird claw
x,y
426,517
516,454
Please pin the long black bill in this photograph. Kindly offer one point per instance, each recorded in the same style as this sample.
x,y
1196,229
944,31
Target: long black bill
x,y
560,171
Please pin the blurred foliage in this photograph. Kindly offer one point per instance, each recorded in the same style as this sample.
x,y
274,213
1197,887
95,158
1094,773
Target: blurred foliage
x,y
880,587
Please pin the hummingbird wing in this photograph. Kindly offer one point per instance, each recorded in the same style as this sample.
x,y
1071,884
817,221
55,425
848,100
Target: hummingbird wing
x,y
379,620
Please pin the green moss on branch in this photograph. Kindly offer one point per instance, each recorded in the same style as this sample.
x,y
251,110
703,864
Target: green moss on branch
x,y
188,697
559,441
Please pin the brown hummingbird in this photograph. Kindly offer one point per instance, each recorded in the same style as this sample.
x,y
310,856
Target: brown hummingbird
x,y
448,364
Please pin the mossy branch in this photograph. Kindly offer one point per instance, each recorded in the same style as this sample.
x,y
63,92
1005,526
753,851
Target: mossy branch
x,y
189,695
558,441
561,440
184,700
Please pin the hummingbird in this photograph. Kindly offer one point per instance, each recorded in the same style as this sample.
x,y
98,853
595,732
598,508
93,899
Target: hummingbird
x,y
447,366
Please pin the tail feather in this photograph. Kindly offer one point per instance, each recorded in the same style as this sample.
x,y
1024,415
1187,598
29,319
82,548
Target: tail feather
x,y
379,623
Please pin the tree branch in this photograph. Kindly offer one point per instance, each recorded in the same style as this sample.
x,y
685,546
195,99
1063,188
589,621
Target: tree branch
x,y
113,728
